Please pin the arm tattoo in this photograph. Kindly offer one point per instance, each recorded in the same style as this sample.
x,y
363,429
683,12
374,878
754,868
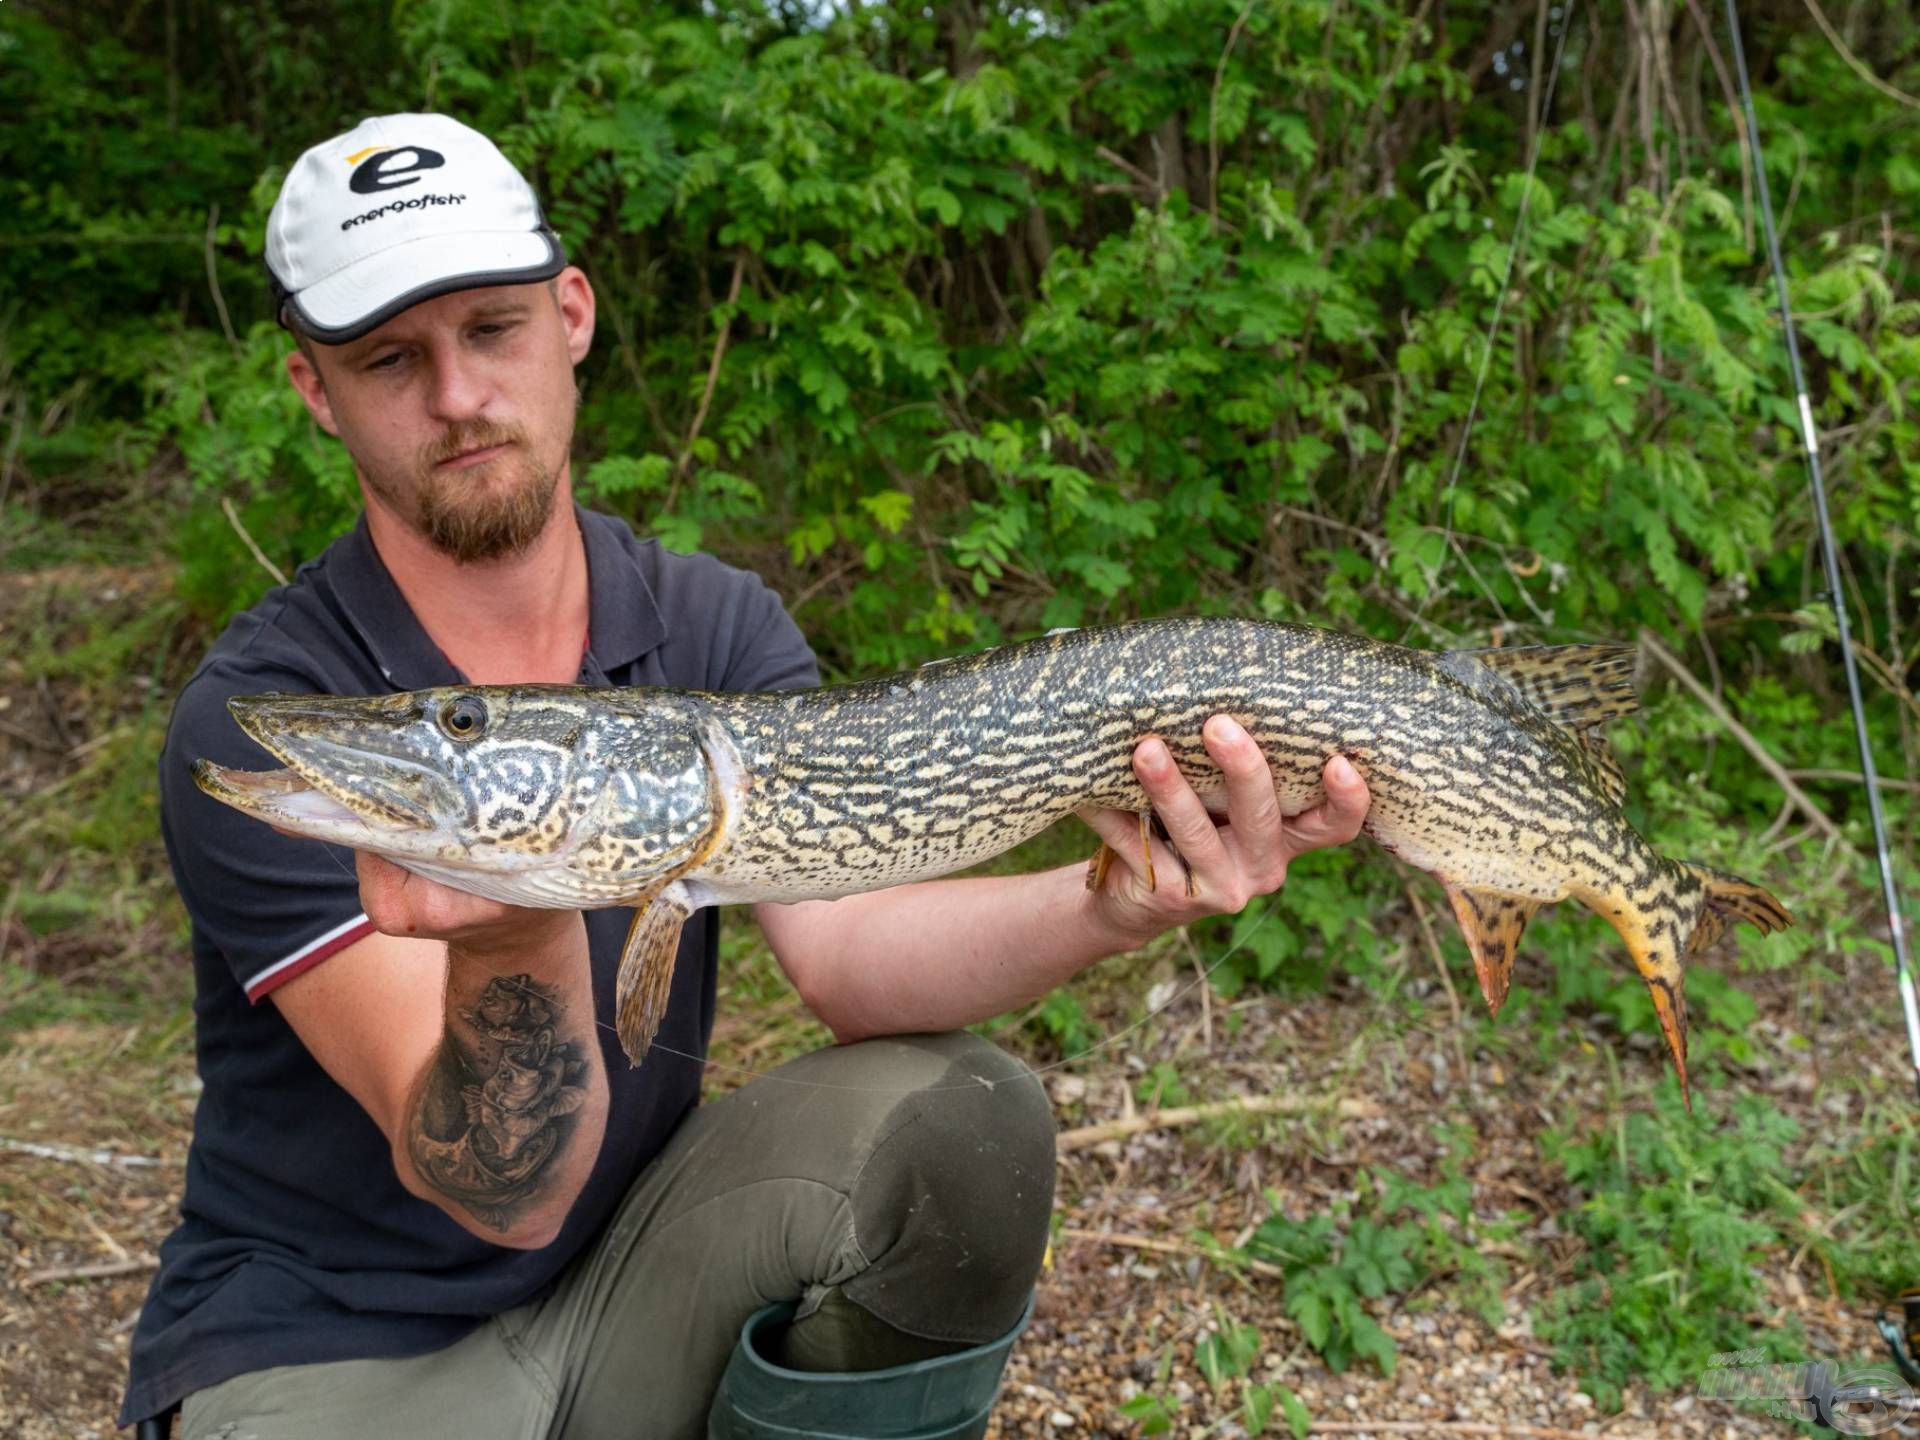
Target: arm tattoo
x,y
495,1104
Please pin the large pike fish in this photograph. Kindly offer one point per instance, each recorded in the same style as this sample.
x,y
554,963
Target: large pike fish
x,y
1486,769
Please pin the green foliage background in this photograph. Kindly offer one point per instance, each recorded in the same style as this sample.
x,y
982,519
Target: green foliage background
x,y
1036,315
963,321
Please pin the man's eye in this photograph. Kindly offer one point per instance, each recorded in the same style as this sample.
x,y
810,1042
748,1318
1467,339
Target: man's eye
x,y
385,362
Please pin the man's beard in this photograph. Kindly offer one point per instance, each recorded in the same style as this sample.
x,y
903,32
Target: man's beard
x,y
477,513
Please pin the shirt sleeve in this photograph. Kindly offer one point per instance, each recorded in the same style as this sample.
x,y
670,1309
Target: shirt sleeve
x,y
759,647
270,905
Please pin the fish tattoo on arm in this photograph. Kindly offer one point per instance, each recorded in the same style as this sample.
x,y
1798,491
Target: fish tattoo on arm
x,y
494,1107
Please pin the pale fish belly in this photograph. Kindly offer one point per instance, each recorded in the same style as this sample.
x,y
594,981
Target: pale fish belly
x,y
1464,855
849,861
1536,829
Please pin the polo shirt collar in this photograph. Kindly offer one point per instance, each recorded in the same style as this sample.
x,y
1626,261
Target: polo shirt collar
x,y
623,617
623,624
379,613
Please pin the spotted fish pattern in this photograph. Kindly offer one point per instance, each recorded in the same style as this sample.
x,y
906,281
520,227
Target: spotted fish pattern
x,y
1486,769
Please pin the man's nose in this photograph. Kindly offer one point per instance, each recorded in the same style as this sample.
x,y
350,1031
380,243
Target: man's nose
x,y
459,388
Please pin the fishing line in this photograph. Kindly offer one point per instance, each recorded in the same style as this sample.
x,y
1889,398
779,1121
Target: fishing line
x,y
1031,1072
1514,247
1810,446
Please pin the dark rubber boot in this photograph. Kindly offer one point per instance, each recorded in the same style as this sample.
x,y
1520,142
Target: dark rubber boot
x,y
946,1398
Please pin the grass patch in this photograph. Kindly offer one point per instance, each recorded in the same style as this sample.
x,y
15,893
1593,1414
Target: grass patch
x,y
85,697
31,1001
1680,1217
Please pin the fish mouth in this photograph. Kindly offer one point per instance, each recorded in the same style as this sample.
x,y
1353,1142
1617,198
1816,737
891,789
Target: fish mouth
x,y
347,775
285,799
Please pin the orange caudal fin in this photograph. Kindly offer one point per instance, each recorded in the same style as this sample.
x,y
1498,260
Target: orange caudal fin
x,y
1654,934
1493,922
1730,900
1683,913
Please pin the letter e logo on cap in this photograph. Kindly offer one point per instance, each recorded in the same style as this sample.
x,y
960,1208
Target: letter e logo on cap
x,y
389,169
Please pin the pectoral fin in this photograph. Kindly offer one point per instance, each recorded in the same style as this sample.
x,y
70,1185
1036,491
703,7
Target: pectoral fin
x,y
1493,923
646,969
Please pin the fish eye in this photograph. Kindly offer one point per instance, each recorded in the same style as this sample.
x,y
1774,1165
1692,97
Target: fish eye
x,y
464,719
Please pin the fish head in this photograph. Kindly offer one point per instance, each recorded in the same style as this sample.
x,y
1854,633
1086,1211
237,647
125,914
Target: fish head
x,y
549,796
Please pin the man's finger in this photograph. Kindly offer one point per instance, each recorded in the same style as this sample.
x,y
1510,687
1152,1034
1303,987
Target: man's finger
x,y
1119,830
1337,819
1188,824
1253,810
383,893
399,902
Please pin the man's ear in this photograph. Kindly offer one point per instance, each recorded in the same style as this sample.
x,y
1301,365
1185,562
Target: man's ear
x,y
306,379
574,295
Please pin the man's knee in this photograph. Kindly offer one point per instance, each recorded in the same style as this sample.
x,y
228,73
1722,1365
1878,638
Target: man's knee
x,y
952,1207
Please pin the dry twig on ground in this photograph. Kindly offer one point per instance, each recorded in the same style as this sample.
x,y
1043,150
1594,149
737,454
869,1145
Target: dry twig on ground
x,y
106,1270
1161,1246
1174,1118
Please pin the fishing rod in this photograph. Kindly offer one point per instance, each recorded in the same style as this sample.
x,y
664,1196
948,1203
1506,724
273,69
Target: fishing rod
x,y
1902,1347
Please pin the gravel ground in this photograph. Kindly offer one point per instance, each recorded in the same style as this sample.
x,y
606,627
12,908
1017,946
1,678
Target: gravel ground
x,y
1125,1299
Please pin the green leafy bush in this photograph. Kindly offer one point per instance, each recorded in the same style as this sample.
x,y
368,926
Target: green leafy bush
x,y
1677,1216
1329,1273
969,322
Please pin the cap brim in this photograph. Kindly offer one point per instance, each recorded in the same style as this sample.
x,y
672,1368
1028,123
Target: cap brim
x,y
352,302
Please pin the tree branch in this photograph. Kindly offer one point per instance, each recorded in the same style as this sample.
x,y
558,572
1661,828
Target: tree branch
x,y
713,366
1740,733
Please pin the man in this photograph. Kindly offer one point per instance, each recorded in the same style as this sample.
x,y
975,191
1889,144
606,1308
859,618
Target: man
x,y
426,1195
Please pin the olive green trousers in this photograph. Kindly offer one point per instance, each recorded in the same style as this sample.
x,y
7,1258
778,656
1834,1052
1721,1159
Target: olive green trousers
x,y
899,1189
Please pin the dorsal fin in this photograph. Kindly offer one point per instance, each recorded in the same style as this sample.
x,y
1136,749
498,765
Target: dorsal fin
x,y
1612,778
1575,685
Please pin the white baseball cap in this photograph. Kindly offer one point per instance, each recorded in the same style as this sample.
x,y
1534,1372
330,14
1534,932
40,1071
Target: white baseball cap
x,y
398,210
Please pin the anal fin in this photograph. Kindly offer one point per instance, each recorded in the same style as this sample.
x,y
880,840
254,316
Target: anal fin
x,y
1493,923
645,979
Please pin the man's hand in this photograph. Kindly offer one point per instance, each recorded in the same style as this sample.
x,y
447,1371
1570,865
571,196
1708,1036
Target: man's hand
x,y
399,902
1230,864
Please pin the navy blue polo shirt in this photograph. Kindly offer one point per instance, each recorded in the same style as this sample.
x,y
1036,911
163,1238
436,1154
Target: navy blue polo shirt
x,y
297,1242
